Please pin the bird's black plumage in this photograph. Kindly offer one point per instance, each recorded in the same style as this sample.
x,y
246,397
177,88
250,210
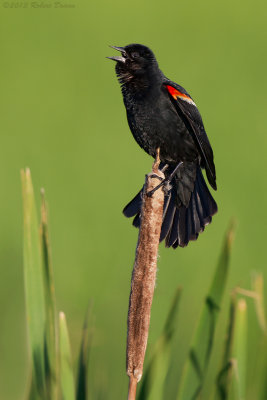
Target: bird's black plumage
x,y
161,114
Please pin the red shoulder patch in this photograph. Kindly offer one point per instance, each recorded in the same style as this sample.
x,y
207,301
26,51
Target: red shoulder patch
x,y
175,93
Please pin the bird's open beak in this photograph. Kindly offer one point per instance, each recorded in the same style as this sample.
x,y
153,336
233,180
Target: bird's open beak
x,y
121,58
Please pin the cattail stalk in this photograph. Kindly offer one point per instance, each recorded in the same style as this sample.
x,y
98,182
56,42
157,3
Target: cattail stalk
x,y
144,277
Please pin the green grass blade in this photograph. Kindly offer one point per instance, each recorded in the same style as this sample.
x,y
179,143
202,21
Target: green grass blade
x,y
66,369
34,291
82,380
152,386
195,369
239,355
51,328
258,387
31,392
226,372
230,370
262,370
257,287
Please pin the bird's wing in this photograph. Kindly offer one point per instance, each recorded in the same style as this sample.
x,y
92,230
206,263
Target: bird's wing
x,y
188,111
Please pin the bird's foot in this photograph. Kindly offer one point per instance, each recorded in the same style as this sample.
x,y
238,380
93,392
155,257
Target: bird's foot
x,y
166,182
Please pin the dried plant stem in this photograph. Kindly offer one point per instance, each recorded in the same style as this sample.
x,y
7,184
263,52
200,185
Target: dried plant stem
x,y
132,388
144,277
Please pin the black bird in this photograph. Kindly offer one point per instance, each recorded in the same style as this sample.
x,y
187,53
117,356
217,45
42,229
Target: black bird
x,y
161,114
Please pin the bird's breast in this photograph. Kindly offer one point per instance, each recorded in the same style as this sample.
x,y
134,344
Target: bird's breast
x,y
155,123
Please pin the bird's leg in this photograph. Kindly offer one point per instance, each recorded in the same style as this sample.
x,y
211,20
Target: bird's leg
x,y
174,171
166,180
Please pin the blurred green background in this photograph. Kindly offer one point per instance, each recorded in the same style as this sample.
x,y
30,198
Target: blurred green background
x,y
62,115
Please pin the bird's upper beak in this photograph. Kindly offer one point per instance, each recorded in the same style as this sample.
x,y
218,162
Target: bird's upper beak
x,y
121,58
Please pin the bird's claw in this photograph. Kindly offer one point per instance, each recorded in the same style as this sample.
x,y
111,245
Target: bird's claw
x,y
164,183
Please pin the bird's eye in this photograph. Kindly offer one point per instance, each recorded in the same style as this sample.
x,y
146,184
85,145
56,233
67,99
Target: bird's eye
x,y
135,55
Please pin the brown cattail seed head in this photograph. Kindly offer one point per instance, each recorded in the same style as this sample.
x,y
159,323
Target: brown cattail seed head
x,y
144,274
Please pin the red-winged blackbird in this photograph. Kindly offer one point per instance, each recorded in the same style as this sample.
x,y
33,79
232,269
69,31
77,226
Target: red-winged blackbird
x,y
161,114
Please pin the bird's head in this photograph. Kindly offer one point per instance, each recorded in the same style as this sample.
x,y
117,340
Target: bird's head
x,y
135,61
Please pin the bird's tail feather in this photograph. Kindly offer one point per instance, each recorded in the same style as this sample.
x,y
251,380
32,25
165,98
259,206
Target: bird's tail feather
x,y
180,224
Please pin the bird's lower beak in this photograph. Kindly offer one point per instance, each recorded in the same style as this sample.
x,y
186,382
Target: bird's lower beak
x,y
121,58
